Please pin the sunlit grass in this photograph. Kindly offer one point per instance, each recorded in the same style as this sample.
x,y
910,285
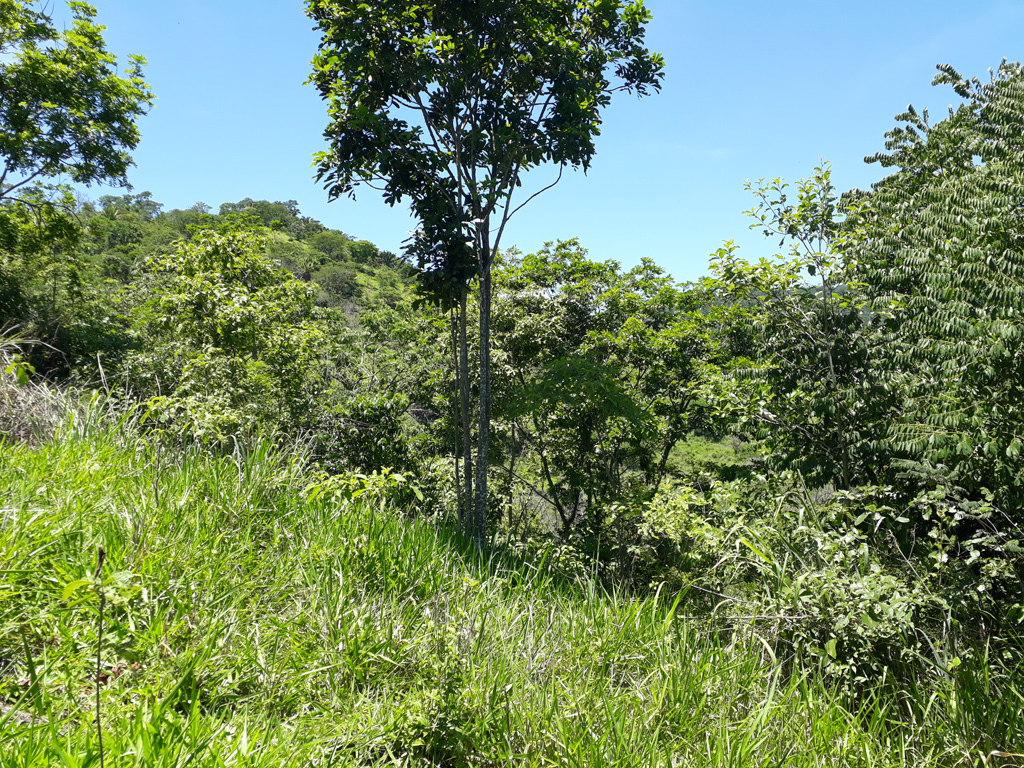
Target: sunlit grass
x,y
247,626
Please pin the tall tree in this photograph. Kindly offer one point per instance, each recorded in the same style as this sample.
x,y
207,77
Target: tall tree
x,y
66,114
450,102
941,250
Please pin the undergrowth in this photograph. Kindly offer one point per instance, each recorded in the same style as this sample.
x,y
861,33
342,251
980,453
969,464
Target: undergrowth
x,y
250,622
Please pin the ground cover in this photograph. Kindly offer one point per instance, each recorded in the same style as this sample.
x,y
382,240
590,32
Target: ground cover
x,y
248,622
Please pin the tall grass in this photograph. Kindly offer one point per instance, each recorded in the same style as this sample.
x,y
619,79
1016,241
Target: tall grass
x,y
249,626
30,411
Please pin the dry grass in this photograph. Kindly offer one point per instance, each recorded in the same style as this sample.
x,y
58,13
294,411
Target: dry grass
x,y
30,412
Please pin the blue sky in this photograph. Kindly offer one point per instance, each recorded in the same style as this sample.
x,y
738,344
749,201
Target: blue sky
x,y
752,90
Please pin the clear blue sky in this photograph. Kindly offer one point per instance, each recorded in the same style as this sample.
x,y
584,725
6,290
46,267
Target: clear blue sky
x,y
752,90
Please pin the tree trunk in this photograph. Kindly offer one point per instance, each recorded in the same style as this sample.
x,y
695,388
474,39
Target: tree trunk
x,y
466,505
457,420
484,426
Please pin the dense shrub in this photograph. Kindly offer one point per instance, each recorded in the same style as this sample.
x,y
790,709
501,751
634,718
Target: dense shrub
x,y
225,340
338,281
865,580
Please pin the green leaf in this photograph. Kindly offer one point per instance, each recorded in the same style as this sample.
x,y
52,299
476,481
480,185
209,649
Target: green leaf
x,y
830,647
757,552
74,586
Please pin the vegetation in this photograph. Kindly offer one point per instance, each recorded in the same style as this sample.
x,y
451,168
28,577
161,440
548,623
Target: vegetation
x,y
768,518
451,106
253,619
65,114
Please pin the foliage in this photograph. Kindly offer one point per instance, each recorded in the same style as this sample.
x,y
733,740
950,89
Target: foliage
x,y
121,232
334,245
226,339
943,255
98,295
893,380
50,292
813,395
381,487
278,216
831,578
858,604
141,204
450,105
338,281
363,432
599,374
64,110
38,265
701,458
381,371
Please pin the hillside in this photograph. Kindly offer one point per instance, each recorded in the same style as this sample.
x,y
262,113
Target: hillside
x,y
70,296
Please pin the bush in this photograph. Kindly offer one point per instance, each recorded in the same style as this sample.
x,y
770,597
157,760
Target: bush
x,y
339,281
225,340
364,434
845,578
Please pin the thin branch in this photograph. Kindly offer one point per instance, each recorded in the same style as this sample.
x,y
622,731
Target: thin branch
x,y
561,170
528,484
505,216
439,146
404,104
5,192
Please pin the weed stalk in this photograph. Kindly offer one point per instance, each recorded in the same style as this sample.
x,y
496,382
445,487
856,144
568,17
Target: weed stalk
x,y
100,557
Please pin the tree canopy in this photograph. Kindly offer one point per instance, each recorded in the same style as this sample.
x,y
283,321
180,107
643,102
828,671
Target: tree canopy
x,y
941,251
64,108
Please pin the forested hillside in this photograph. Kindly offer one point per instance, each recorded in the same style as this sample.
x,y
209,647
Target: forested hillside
x,y
270,495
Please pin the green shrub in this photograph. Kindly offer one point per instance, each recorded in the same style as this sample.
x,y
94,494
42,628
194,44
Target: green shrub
x,y
365,433
865,581
225,340
338,280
